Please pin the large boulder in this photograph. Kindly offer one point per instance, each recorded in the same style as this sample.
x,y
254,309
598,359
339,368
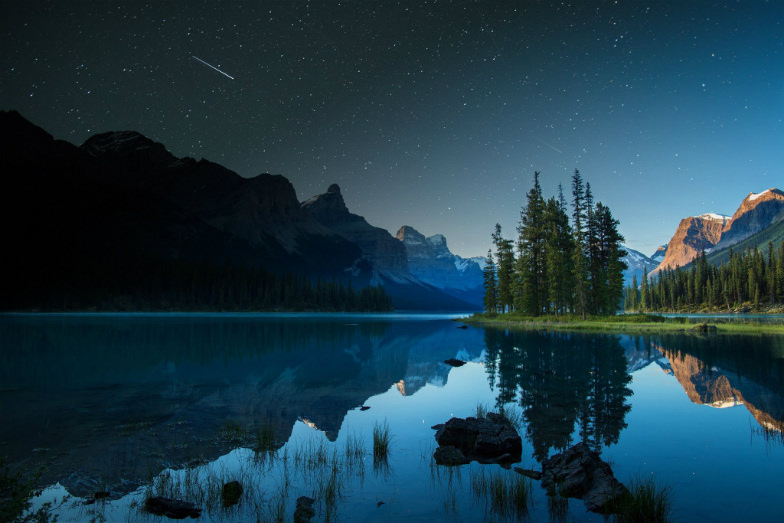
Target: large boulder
x,y
579,472
491,439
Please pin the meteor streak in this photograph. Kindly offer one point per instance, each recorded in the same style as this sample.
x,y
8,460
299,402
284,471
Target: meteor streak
x,y
213,67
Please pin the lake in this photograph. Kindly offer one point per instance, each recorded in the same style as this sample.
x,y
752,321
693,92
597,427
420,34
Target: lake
x,y
179,404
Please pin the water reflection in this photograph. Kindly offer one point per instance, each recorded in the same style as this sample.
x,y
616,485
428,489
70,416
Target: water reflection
x,y
108,403
103,402
726,371
563,381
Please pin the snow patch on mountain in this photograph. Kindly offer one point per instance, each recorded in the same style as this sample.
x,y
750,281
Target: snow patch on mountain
x,y
714,217
636,265
753,196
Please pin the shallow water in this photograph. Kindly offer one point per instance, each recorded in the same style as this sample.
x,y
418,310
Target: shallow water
x,y
180,404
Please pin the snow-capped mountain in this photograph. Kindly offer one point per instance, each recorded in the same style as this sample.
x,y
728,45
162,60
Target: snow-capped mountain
x,y
431,261
636,264
712,231
693,235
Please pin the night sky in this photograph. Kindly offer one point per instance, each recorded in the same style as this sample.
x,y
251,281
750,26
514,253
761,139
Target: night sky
x,y
429,114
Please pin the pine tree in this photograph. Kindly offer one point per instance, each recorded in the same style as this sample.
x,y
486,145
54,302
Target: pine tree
x,y
532,238
632,295
504,270
607,263
558,249
579,260
491,291
644,291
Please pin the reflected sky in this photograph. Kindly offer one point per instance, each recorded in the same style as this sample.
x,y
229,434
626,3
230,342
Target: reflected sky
x,y
643,402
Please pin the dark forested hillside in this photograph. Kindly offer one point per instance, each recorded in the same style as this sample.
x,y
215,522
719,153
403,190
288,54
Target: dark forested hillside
x,y
122,224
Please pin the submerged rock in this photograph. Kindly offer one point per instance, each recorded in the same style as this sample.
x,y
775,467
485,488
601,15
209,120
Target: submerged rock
x,y
304,510
491,439
579,472
171,508
704,328
449,455
232,492
533,474
454,362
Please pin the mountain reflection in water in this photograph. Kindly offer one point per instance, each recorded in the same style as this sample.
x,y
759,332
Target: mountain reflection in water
x,y
107,402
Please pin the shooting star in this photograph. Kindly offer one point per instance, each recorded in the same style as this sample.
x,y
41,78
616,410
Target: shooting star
x,y
213,67
551,146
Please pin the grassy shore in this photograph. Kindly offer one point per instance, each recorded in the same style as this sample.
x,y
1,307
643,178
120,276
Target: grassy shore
x,y
624,323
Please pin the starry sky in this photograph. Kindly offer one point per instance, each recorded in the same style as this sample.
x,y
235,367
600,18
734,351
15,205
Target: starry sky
x,y
433,114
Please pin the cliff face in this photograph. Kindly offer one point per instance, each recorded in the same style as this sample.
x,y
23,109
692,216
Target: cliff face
x,y
712,231
263,211
122,203
692,236
430,260
660,253
386,254
756,212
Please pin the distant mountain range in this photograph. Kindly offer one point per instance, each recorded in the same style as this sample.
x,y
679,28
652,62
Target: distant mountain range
x,y
430,260
757,221
120,204
637,264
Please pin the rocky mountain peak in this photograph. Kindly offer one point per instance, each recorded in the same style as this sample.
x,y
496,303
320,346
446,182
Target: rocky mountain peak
x,y
659,254
410,236
128,146
692,236
714,217
430,260
754,200
438,243
756,212
328,207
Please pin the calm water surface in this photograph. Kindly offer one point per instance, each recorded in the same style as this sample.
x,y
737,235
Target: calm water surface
x,y
179,404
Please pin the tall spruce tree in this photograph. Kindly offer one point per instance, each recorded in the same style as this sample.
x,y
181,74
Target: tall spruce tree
x,y
558,252
504,270
560,268
532,239
609,265
491,290
579,260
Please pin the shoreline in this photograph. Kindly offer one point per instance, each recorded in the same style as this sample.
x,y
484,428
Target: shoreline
x,y
633,324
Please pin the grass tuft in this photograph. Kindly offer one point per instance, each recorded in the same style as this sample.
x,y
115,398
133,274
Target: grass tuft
x,y
381,440
645,502
507,493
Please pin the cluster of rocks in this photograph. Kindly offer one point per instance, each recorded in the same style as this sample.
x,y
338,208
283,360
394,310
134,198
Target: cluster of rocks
x,y
491,439
578,472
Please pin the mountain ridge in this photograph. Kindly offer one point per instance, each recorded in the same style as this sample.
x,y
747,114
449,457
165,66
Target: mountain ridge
x,y
430,260
712,232
116,210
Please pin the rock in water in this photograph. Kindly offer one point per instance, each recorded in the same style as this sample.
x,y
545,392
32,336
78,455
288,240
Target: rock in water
x,y
232,492
579,472
304,510
171,508
454,362
449,455
491,439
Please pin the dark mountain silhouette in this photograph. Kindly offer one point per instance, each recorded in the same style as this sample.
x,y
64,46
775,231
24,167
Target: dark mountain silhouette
x,y
120,215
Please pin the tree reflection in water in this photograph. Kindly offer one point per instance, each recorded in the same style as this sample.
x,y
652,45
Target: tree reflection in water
x,y
564,381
